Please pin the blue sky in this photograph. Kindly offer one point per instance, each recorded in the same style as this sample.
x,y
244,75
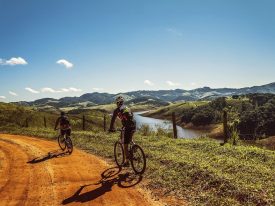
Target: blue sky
x,y
118,46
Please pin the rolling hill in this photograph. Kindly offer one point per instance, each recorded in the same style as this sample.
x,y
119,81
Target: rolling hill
x,y
161,97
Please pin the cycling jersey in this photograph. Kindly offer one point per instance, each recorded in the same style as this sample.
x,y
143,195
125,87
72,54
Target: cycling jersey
x,y
126,117
63,122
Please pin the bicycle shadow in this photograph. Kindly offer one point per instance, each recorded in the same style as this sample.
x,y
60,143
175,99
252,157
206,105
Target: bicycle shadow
x,y
49,155
109,178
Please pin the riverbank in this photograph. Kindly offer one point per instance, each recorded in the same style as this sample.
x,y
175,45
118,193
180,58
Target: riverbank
x,y
155,124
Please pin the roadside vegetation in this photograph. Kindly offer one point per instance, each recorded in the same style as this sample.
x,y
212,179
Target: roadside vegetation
x,y
200,171
23,117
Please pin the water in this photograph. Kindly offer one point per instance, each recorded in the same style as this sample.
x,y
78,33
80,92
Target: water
x,y
159,123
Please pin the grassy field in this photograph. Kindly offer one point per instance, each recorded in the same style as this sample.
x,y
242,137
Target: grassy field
x,y
166,111
197,170
19,116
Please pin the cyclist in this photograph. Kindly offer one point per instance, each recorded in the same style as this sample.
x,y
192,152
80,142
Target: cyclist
x,y
64,124
129,125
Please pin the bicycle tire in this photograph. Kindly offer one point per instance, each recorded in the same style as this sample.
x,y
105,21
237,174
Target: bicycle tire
x,y
135,150
119,154
69,145
61,142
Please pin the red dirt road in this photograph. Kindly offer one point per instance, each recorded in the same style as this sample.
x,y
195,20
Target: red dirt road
x,y
35,172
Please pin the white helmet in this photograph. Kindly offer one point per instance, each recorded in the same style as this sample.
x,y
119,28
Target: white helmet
x,y
119,100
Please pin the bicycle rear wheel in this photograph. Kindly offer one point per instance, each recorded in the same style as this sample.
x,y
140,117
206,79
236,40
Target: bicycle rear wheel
x,y
138,159
61,142
119,154
69,145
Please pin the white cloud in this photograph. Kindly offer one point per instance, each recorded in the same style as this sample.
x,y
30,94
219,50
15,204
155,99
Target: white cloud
x,y
51,90
12,93
65,63
172,84
74,89
47,89
65,90
13,61
148,82
2,97
97,89
193,84
174,31
32,90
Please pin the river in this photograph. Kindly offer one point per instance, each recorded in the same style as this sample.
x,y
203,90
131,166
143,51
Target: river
x,y
156,123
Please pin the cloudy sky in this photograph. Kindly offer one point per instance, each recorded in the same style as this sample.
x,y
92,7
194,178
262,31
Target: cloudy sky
x,y
70,47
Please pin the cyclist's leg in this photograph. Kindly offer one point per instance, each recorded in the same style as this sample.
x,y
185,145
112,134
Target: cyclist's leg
x,y
68,132
127,139
63,133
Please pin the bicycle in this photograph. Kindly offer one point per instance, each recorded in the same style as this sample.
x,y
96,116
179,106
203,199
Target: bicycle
x,y
65,142
136,155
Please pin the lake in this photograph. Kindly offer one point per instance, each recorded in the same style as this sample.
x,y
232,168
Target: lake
x,y
165,124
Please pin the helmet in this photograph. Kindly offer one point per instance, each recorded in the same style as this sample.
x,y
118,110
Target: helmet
x,y
62,113
119,100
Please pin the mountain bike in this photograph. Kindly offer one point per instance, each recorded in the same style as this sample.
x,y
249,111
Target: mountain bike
x,y
65,142
136,154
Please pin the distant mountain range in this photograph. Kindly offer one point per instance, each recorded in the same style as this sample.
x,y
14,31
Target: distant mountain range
x,y
160,97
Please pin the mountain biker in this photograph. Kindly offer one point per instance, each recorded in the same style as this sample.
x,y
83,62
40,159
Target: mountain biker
x,y
129,125
64,124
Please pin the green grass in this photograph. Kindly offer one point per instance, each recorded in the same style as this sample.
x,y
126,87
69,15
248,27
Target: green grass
x,y
19,116
166,111
198,170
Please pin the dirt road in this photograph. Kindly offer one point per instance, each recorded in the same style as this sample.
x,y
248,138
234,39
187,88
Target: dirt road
x,y
35,172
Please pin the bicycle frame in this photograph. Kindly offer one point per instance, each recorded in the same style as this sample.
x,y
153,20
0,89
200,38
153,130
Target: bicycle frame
x,y
132,148
121,136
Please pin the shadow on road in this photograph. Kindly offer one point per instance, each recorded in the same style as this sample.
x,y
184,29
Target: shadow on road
x,y
110,177
49,155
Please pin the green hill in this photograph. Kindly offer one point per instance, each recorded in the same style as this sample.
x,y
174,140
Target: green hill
x,y
12,115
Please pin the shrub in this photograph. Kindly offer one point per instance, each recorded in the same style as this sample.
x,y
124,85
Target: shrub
x,y
205,117
145,130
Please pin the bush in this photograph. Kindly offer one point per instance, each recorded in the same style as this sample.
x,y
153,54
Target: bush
x,y
204,117
145,130
218,104
187,115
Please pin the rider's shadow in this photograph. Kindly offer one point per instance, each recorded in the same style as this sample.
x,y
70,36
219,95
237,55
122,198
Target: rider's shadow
x,y
107,182
49,155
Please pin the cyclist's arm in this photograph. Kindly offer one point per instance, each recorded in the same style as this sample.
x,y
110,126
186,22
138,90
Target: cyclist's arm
x,y
56,123
115,113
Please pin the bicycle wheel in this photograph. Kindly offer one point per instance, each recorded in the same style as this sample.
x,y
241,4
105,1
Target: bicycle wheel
x,y
119,154
138,159
61,142
69,145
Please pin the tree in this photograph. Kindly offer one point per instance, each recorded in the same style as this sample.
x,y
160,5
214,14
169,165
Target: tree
x,y
204,117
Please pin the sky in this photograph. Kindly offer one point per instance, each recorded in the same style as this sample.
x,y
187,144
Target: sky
x,y
57,48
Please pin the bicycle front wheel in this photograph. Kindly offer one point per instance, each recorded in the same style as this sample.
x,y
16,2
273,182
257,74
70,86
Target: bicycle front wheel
x,y
69,145
138,159
61,142
119,154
